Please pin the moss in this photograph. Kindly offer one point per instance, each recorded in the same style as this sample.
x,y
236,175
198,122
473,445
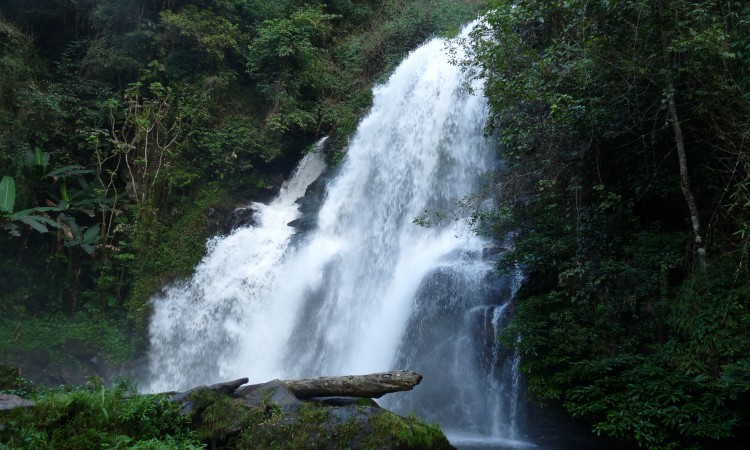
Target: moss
x,y
366,402
299,430
314,426
309,426
393,431
218,419
348,434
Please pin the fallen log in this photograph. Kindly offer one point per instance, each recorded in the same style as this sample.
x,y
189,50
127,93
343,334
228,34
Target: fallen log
x,y
368,386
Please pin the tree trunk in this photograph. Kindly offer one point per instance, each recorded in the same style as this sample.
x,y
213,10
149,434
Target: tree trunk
x,y
370,386
700,244
687,192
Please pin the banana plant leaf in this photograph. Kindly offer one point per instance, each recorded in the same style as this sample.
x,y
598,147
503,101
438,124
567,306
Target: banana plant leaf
x,y
7,194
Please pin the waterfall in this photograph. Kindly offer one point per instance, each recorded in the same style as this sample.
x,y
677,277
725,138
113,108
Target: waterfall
x,y
197,324
367,290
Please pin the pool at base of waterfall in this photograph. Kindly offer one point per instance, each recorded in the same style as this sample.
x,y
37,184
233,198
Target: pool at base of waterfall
x,y
565,436
572,440
478,442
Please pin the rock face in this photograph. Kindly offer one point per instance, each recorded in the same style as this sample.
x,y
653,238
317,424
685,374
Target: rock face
x,y
272,415
309,205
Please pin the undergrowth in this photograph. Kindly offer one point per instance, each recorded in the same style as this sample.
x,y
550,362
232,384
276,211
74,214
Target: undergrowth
x,y
93,416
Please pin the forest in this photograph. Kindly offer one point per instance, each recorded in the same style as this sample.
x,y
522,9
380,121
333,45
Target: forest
x,y
624,126
130,129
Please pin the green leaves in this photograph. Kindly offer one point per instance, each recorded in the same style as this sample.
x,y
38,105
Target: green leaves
x,y
209,32
36,221
7,194
282,56
643,397
69,171
37,218
38,158
87,239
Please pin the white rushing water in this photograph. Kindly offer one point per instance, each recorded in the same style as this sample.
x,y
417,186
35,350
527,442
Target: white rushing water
x,y
368,290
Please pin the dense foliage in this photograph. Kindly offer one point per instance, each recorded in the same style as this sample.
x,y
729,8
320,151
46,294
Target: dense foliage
x,y
128,128
624,126
93,416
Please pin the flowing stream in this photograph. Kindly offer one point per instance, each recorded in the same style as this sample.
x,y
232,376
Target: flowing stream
x,y
367,290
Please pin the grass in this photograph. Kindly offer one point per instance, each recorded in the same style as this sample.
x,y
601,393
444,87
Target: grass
x,y
95,417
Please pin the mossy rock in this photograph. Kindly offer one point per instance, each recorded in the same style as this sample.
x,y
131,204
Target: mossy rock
x,y
269,416
318,426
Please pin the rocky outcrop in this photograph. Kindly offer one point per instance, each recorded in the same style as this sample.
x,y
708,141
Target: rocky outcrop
x,y
10,401
272,415
310,204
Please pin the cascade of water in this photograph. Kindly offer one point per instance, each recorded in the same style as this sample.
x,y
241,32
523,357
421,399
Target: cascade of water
x,y
197,324
368,290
